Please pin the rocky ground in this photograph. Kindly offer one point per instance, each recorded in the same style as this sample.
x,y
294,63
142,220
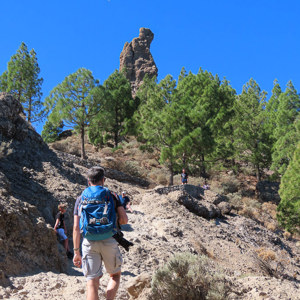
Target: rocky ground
x,y
258,263
161,226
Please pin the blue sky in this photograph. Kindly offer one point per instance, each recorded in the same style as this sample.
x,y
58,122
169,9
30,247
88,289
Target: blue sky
x,y
236,39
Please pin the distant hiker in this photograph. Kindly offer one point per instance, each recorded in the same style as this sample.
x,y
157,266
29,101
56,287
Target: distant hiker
x,y
60,228
206,185
95,215
184,177
126,202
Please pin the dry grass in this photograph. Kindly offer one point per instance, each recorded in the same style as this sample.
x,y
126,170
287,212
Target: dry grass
x,y
202,250
266,254
287,235
271,226
270,208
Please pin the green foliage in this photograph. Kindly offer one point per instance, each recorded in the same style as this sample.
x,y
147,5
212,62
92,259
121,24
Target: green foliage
x,y
206,108
289,206
271,110
118,107
251,139
75,101
3,82
185,122
22,80
157,119
188,277
51,131
285,133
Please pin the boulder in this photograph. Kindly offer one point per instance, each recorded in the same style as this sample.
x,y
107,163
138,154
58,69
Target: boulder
x,y
136,285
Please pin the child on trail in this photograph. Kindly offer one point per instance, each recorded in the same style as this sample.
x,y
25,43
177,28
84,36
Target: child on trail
x,y
60,228
184,177
126,202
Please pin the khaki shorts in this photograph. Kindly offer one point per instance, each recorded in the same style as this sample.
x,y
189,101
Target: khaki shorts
x,y
94,252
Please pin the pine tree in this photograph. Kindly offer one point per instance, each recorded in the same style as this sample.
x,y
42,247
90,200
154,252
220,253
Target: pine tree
x,y
75,101
251,139
51,131
289,206
3,82
286,137
22,80
157,119
206,107
118,106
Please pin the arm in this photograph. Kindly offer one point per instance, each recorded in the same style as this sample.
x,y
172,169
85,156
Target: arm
x,y
122,216
56,224
76,242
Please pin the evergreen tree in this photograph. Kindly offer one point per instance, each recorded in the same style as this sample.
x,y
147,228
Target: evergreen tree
x,y
286,137
3,82
157,119
206,106
52,131
118,106
252,142
272,107
22,80
75,101
289,206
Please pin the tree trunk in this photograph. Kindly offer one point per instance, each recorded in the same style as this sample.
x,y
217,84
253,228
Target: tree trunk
x,y
171,174
83,156
202,167
29,111
116,139
184,160
258,177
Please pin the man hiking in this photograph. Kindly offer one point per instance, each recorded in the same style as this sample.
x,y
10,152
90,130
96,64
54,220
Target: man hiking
x,y
96,214
184,177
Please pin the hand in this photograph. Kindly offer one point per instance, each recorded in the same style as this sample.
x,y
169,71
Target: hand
x,y
77,260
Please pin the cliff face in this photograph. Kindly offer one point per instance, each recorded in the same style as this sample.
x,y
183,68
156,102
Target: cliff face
x,y
33,181
137,59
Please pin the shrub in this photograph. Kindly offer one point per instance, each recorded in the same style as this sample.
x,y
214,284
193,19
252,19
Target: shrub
x,y
106,151
270,209
266,254
236,201
132,168
161,178
230,186
188,276
117,150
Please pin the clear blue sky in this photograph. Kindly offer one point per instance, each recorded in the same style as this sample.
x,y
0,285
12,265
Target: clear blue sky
x,y
236,39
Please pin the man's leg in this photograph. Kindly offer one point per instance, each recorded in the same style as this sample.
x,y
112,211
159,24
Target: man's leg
x,y
113,285
92,287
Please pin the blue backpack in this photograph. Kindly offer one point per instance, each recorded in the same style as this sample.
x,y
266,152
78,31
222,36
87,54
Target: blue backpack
x,y
97,214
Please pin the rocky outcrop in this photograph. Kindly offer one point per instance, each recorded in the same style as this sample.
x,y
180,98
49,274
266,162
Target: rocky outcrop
x,y
137,60
204,203
33,180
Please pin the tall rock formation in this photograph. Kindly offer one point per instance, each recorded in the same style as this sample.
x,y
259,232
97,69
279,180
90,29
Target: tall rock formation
x,y
137,59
